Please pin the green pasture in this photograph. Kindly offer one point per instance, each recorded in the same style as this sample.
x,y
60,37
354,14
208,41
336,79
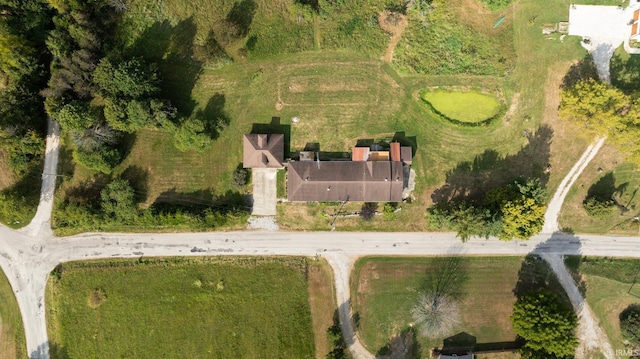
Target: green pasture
x,y
466,107
243,307
384,290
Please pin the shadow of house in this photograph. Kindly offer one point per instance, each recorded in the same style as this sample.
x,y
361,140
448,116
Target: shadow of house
x,y
406,141
465,345
470,181
275,127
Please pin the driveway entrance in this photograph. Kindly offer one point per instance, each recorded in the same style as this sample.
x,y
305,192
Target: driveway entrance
x,y
264,191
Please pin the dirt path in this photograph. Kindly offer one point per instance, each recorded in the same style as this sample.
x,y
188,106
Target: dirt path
x,y
555,205
41,223
394,24
589,333
342,266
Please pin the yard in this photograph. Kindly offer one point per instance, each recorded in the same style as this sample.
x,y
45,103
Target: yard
x,y
212,307
12,340
613,178
342,92
610,285
384,290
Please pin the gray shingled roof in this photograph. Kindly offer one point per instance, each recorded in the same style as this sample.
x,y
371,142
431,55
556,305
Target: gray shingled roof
x,y
329,181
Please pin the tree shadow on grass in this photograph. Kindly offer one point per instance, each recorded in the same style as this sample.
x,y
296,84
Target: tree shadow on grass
x,y
470,181
605,189
214,116
138,178
241,16
584,69
402,346
196,202
49,350
448,274
625,72
171,48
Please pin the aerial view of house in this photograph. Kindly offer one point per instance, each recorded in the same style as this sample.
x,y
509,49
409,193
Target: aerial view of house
x,y
319,179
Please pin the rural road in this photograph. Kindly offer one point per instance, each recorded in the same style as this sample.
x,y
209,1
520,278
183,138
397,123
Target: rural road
x,y
27,261
28,256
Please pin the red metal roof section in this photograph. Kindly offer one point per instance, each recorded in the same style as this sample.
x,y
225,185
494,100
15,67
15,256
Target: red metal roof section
x,y
395,151
360,154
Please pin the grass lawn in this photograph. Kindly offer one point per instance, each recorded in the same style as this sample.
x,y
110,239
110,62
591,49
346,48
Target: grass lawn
x,y
385,289
611,286
467,107
341,91
609,174
198,308
12,340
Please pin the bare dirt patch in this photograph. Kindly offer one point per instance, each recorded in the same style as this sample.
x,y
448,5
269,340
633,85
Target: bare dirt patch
x,y
515,101
394,24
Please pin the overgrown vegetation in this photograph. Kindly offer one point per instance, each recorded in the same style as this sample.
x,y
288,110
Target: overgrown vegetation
x,y
440,44
601,109
116,208
514,211
630,325
24,70
177,307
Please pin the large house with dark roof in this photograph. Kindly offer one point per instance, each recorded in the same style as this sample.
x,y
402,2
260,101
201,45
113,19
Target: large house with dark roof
x,y
372,174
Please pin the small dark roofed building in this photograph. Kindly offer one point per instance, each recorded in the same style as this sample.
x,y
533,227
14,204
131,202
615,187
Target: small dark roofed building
x,y
333,181
263,151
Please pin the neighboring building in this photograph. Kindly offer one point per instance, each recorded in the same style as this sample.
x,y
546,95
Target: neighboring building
x,y
372,175
616,24
263,151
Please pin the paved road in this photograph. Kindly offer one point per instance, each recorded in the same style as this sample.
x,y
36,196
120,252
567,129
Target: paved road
x,y
27,261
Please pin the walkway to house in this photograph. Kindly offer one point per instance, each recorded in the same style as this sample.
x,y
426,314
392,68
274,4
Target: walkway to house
x,y
264,191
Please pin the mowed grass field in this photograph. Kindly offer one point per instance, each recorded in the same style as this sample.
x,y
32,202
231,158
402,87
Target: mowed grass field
x,y
384,291
607,173
12,339
611,285
245,307
342,92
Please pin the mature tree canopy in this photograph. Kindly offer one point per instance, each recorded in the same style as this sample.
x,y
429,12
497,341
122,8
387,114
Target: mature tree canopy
x,y
547,327
601,109
118,201
129,79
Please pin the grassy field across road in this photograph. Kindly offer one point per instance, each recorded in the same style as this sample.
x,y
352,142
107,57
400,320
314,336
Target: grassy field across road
x,y
12,340
384,291
610,285
214,307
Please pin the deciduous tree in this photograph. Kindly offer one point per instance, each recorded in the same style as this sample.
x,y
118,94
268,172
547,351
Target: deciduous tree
x,y
547,327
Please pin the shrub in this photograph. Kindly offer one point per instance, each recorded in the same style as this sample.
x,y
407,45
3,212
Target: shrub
x,y
598,207
630,324
239,179
368,211
389,210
